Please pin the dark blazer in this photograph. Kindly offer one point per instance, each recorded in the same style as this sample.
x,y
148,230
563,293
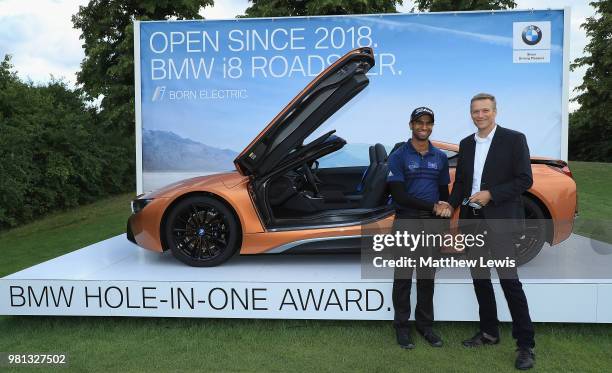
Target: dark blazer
x,y
506,174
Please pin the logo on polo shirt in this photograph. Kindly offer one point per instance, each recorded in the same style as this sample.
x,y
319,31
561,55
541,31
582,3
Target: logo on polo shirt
x,y
433,165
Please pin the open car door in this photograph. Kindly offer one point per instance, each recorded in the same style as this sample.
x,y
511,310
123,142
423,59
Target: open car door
x,y
325,95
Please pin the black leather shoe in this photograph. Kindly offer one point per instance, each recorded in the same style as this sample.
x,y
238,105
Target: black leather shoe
x,y
404,339
431,337
525,358
480,339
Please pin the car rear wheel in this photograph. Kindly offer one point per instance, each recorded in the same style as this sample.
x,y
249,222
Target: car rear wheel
x,y
202,232
529,245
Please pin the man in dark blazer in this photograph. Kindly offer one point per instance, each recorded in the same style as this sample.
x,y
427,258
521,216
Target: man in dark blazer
x,y
493,170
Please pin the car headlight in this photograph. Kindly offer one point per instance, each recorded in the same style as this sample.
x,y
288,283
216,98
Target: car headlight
x,y
139,204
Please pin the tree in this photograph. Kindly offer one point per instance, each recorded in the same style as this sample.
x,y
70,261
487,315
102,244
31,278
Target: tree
x,y
51,156
284,8
107,71
591,124
463,5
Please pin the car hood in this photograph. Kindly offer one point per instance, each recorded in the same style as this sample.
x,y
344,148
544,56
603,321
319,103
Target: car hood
x,y
325,95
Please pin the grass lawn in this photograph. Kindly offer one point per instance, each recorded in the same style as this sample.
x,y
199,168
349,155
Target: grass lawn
x,y
142,344
594,200
63,232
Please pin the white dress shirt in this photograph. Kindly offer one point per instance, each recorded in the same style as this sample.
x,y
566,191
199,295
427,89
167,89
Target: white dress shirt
x,y
480,156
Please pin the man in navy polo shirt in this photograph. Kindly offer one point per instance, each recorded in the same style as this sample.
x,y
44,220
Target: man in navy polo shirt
x,y
418,179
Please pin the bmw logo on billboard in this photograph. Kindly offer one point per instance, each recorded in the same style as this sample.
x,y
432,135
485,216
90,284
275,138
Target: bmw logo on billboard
x,y
531,35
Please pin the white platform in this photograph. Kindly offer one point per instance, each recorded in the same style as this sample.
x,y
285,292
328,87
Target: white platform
x,y
571,282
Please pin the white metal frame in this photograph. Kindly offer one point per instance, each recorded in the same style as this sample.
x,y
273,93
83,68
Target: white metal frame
x,y
565,88
138,107
356,15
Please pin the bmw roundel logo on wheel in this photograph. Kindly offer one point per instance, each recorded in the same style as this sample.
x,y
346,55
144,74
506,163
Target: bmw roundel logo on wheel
x,y
532,35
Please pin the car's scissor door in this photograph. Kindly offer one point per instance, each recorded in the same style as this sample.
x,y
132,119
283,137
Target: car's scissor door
x,y
325,95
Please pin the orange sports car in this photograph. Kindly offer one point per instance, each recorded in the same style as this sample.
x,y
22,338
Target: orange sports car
x,y
279,200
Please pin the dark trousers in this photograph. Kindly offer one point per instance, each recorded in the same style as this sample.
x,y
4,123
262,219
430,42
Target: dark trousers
x,y
424,311
402,282
499,246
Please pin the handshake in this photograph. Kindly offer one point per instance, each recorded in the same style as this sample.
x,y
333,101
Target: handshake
x,y
443,209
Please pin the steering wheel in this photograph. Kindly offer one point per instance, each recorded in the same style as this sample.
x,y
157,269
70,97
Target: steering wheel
x,y
310,178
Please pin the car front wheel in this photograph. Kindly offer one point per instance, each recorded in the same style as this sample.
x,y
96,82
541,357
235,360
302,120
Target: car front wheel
x,y
202,232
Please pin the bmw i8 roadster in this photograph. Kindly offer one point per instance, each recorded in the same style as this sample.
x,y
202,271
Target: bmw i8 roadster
x,y
279,200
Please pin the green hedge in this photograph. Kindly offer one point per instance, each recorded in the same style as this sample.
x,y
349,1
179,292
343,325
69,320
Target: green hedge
x,y
54,153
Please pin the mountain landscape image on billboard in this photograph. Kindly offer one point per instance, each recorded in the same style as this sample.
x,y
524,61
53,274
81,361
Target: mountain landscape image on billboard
x,y
165,151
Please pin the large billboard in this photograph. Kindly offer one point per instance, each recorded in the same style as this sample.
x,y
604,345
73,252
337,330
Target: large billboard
x,y
205,89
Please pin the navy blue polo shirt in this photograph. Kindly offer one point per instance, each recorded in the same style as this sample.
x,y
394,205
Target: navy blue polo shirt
x,y
421,174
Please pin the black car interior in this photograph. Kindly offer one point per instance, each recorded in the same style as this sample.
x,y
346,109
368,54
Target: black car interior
x,y
307,194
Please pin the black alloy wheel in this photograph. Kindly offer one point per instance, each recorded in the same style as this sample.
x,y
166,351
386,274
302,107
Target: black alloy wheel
x,y
202,232
530,243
